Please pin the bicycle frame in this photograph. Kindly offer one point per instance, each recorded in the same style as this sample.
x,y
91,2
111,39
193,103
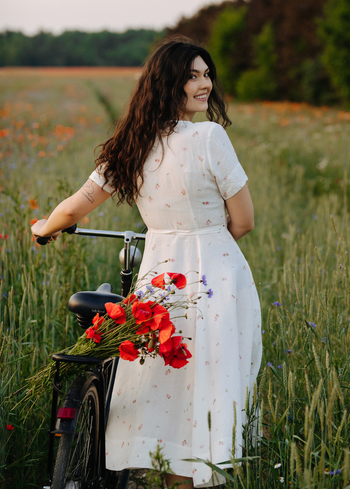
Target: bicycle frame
x,y
97,375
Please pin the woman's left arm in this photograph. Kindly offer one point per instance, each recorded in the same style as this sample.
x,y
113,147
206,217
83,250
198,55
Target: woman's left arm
x,y
71,210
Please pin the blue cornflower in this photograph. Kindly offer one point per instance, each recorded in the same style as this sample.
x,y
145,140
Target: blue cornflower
x,y
289,351
210,293
325,339
269,364
162,295
21,206
139,294
150,288
277,304
334,472
312,324
263,331
204,280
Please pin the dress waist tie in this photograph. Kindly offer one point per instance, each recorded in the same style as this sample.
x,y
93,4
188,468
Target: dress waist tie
x,y
190,232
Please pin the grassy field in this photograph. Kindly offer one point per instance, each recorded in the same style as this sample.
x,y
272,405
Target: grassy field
x,y
297,160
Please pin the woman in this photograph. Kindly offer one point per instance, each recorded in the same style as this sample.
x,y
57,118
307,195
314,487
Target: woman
x,y
192,194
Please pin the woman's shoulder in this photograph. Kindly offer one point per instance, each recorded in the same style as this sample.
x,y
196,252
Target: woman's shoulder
x,y
203,129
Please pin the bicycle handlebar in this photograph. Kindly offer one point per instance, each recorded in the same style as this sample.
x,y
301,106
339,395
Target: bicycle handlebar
x,y
44,240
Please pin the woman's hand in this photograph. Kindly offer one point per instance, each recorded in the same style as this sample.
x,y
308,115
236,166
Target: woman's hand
x,y
37,230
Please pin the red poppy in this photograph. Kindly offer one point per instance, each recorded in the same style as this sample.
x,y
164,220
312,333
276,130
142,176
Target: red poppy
x,y
142,311
158,281
115,312
166,332
129,299
93,334
128,351
97,320
174,352
33,204
160,317
9,427
178,280
180,358
143,329
4,236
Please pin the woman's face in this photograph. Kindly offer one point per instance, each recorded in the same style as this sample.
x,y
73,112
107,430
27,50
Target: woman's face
x,y
197,89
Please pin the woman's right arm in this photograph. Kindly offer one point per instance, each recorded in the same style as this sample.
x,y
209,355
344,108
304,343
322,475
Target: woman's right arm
x,y
71,210
241,213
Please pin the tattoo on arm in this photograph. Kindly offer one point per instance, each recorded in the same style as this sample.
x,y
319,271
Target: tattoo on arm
x,y
87,190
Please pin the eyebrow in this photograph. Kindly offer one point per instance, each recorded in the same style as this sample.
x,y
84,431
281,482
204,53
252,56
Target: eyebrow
x,y
197,71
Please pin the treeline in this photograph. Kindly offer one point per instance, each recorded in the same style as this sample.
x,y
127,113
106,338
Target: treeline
x,y
75,48
276,49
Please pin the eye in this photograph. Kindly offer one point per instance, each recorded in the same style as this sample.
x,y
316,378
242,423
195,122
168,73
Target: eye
x,y
206,74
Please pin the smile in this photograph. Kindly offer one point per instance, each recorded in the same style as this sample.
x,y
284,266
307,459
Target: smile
x,y
202,98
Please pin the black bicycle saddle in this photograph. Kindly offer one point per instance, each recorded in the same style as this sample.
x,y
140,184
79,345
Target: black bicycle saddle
x,y
87,304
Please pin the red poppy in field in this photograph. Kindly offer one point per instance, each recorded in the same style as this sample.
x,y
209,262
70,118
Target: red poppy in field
x,y
33,221
178,280
4,236
128,351
174,352
115,312
129,299
33,204
9,427
98,320
93,334
158,281
142,311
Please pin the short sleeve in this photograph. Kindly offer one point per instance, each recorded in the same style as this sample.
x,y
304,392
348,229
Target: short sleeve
x,y
224,165
97,177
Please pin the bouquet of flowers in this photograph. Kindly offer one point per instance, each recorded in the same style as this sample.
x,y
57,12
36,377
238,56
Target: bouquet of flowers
x,y
135,328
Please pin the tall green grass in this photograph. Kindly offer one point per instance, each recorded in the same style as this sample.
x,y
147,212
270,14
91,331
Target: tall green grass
x,y
296,158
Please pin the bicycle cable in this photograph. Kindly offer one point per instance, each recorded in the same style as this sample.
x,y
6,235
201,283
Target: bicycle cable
x,y
135,247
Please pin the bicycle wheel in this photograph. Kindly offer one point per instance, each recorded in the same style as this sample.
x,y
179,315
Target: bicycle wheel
x,y
76,464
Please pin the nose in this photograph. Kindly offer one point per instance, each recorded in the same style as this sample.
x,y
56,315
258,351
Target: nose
x,y
206,82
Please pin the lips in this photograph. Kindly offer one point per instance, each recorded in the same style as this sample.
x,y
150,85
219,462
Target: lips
x,y
202,98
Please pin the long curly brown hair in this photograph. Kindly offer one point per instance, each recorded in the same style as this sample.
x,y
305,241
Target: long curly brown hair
x,y
153,111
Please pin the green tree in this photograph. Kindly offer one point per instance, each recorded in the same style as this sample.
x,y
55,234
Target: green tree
x,y
260,83
334,32
223,42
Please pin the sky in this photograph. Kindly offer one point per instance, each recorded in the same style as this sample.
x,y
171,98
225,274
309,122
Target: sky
x,y
56,16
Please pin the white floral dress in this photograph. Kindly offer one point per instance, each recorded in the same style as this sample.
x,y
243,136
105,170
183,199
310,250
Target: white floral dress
x,y
182,202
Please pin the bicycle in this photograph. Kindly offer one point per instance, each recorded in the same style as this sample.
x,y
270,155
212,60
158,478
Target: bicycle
x,y
80,422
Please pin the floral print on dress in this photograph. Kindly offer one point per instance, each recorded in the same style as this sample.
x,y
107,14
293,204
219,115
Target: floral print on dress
x,y
163,393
